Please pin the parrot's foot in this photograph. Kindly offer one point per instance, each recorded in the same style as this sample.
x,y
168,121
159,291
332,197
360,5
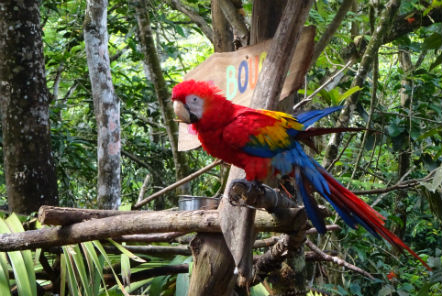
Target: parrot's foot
x,y
250,185
244,193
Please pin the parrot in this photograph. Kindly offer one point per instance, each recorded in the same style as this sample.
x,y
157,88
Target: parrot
x,y
264,142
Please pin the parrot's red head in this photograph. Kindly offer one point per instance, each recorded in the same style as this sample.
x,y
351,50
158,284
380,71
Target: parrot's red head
x,y
200,103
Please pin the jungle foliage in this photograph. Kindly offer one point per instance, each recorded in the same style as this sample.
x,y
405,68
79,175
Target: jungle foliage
x,y
405,117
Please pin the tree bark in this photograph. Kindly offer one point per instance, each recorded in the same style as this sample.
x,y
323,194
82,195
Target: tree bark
x,y
265,19
222,34
155,74
213,266
49,215
240,235
29,166
106,104
240,31
375,42
148,222
272,76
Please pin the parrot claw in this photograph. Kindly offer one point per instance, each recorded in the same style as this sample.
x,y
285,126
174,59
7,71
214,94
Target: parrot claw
x,y
239,194
248,184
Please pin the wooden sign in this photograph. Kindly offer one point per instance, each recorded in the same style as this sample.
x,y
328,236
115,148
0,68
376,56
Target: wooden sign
x,y
236,74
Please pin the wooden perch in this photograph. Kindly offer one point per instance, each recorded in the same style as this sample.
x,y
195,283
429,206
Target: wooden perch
x,y
50,215
147,222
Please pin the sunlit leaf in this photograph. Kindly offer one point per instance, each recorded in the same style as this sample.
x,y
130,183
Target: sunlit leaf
x,y
4,275
25,283
347,94
126,251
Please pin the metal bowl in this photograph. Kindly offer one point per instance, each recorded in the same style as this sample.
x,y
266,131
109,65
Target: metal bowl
x,y
190,203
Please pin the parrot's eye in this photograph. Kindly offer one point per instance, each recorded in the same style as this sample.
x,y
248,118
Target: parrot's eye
x,y
195,105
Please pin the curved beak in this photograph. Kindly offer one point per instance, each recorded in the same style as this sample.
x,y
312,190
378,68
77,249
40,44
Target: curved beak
x,y
181,111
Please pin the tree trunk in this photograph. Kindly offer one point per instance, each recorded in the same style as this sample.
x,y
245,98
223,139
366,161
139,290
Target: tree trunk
x,y
213,249
222,34
155,74
106,104
265,19
29,166
213,266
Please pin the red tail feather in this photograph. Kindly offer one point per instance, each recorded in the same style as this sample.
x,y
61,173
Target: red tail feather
x,y
348,200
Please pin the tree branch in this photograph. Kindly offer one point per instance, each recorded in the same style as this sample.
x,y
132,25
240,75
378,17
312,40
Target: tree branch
x,y
152,61
50,215
148,222
177,184
194,17
336,260
331,29
236,21
404,24
158,251
149,238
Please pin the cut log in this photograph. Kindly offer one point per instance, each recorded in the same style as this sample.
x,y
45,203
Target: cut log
x,y
50,215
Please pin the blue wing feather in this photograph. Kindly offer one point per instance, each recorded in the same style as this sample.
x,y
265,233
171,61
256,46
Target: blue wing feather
x,y
310,117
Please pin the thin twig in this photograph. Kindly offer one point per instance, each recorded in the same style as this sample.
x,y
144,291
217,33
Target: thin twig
x,y
370,115
144,187
310,97
406,115
337,260
342,152
176,184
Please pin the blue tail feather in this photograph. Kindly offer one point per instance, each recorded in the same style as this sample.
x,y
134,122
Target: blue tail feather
x,y
310,208
310,117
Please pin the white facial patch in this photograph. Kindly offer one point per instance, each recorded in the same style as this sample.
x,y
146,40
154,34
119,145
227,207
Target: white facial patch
x,y
195,105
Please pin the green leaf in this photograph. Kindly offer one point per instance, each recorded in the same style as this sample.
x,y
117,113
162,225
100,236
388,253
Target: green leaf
x,y
15,225
434,4
425,289
24,284
182,280
386,290
4,275
437,62
434,41
156,286
259,290
74,288
100,248
77,257
91,255
125,269
126,251
62,275
347,94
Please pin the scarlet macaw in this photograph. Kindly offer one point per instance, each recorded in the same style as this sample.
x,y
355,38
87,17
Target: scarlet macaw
x,y
263,142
